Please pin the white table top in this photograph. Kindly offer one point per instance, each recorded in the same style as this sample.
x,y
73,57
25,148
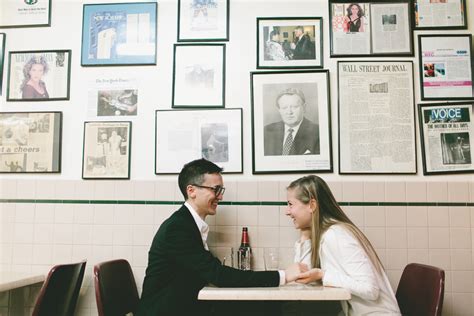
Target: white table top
x,y
289,292
13,280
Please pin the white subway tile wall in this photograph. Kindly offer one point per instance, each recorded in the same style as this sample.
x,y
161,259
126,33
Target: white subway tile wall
x,y
35,236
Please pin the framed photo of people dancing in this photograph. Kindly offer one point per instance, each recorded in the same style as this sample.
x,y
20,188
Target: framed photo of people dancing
x,y
375,28
25,13
291,122
39,75
290,42
107,150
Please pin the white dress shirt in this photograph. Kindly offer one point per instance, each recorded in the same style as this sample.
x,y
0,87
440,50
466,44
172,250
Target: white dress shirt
x,y
202,225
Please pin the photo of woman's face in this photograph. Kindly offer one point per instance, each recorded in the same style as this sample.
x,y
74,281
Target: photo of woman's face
x,y
36,72
354,10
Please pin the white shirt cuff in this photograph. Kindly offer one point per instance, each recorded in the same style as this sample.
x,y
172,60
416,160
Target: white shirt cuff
x,y
282,277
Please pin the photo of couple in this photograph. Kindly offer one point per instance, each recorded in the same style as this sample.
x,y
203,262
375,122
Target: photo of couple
x,y
289,43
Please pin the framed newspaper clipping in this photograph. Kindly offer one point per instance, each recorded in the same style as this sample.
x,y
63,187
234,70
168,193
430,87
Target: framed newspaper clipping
x,y
39,75
382,28
203,20
291,122
376,117
182,135
446,131
440,14
290,42
30,142
446,69
106,150
2,58
25,13
119,34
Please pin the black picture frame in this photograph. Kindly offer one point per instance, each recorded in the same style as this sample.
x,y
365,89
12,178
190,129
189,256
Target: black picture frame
x,y
27,13
434,52
32,140
198,76
449,21
3,37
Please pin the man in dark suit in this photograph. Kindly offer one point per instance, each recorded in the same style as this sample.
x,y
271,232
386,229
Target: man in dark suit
x,y
179,262
304,47
294,134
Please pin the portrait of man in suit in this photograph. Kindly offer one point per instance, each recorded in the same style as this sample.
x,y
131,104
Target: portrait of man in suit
x,y
294,134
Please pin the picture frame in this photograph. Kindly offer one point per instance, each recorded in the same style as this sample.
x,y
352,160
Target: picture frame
x,y
376,117
198,76
183,135
295,103
447,137
127,37
371,28
286,42
203,20
30,142
437,53
107,150
3,37
440,15
27,13
35,76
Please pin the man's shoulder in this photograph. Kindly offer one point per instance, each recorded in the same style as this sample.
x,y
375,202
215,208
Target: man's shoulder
x,y
307,124
273,126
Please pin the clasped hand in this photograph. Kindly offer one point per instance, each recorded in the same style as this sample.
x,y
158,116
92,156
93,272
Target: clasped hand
x,y
300,273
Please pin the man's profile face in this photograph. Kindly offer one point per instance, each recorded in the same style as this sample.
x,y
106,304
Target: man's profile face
x,y
291,109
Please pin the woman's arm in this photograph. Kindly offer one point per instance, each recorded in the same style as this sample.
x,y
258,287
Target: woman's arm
x,y
362,24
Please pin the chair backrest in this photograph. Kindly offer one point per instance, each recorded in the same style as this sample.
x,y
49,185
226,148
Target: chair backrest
x,y
115,288
59,293
421,290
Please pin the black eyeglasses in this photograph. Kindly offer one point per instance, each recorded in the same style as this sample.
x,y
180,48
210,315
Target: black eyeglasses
x,y
218,189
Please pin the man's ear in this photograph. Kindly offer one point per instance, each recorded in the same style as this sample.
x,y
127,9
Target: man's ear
x,y
191,191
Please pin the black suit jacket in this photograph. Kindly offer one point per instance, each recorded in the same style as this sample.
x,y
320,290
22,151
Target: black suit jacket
x,y
306,140
304,48
179,266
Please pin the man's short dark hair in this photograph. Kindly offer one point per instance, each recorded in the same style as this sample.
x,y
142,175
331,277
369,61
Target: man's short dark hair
x,y
291,91
193,173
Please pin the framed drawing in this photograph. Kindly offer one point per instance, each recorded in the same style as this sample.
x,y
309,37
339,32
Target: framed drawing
x,y
382,28
440,14
376,117
106,150
447,136
203,20
446,69
198,76
2,58
183,135
290,42
39,75
119,34
291,122
30,142
26,13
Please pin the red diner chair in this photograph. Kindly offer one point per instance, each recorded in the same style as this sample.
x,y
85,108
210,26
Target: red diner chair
x,y
115,288
421,290
60,291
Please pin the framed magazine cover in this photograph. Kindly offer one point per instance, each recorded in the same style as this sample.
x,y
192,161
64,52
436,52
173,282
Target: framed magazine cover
x,y
447,137
183,135
39,75
291,122
203,20
376,108
446,67
119,34
30,142
290,42
107,148
26,13
2,59
373,28
440,14
198,76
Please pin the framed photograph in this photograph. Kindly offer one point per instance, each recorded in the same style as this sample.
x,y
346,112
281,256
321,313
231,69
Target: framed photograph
x,y
106,150
199,76
291,122
446,70
183,135
2,59
203,20
371,28
290,42
376,117
30,142
39,75
440,14
25,13
447,136
119,34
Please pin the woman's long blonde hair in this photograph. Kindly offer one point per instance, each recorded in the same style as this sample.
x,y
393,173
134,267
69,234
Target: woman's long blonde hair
x,y
327,213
